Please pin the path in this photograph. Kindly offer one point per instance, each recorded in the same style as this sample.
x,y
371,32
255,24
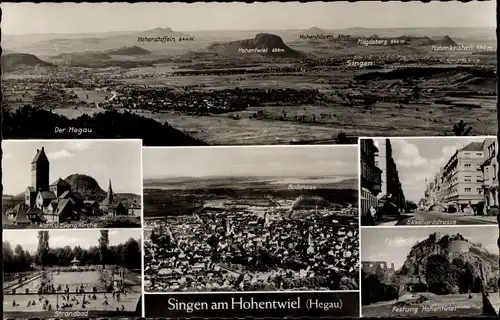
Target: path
x,y
113,96
13,284
461,219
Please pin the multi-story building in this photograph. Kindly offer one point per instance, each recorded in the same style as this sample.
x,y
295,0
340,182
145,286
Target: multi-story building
x,y
433,190
490,172
370,176
439,186
390,185
462,178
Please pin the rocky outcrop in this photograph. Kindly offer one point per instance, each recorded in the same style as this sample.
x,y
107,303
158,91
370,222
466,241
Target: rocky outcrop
x,y
87,186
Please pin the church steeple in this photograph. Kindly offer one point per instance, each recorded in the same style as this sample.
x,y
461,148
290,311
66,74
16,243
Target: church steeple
x,y
40,171
110,192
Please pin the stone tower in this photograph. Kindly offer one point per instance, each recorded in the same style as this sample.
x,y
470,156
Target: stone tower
x,y
40,171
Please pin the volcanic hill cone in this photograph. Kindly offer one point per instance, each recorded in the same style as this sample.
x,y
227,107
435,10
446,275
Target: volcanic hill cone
x,y
268,44
86,186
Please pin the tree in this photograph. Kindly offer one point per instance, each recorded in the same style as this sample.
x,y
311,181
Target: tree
x,y
410,205
460,129
441,275
341,138
17,260
21,259
103,247
78,252
42,252
131,254
8,255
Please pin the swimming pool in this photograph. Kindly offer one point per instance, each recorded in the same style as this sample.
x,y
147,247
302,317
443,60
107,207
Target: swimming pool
x,y
88,279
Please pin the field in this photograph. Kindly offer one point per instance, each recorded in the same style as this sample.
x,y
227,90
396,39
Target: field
x,y
76,112
382,121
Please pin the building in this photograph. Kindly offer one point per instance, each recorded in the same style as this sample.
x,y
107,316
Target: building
x,y
374,266
111,206
433,195
391,188
490,173
75,263
49,202
56,202
370,176
462,178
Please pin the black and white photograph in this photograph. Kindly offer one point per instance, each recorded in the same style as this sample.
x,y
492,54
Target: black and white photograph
x,y
177,74
241,219
71,184
430,272
71,273
429,181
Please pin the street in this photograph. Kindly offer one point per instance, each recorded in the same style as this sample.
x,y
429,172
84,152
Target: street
x,y
440,218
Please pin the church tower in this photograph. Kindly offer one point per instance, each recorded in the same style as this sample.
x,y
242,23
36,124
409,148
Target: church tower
x,y
111,197
40,171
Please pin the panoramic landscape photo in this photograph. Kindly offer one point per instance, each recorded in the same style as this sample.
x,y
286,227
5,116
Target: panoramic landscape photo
x,y
71,184
430,272
71,273
251,219
259,74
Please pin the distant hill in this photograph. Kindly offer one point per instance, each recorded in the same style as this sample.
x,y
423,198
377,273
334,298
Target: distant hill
x,y
13,61
456,75
446,41
262,41
313,31
428,41
161,32
87,186
99,59
128,51
82,56
351,183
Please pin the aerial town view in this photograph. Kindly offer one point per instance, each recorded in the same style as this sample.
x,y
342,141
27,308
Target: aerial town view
x,y
270,219
77,273
430,272
57,184
429,181
248,74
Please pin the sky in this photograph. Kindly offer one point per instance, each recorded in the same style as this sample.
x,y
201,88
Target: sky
x,y
118,160
392,245
101,17
28,239
275,161
421,158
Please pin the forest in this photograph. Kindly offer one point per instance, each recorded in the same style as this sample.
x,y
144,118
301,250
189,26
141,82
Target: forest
x,y
18,259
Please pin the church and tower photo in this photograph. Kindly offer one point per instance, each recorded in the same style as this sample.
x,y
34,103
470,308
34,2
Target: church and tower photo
x,y
63,189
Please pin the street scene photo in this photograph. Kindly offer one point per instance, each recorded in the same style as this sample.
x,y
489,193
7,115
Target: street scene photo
x,y
249,73
61,184
232,219
429,181
71,273
433,272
